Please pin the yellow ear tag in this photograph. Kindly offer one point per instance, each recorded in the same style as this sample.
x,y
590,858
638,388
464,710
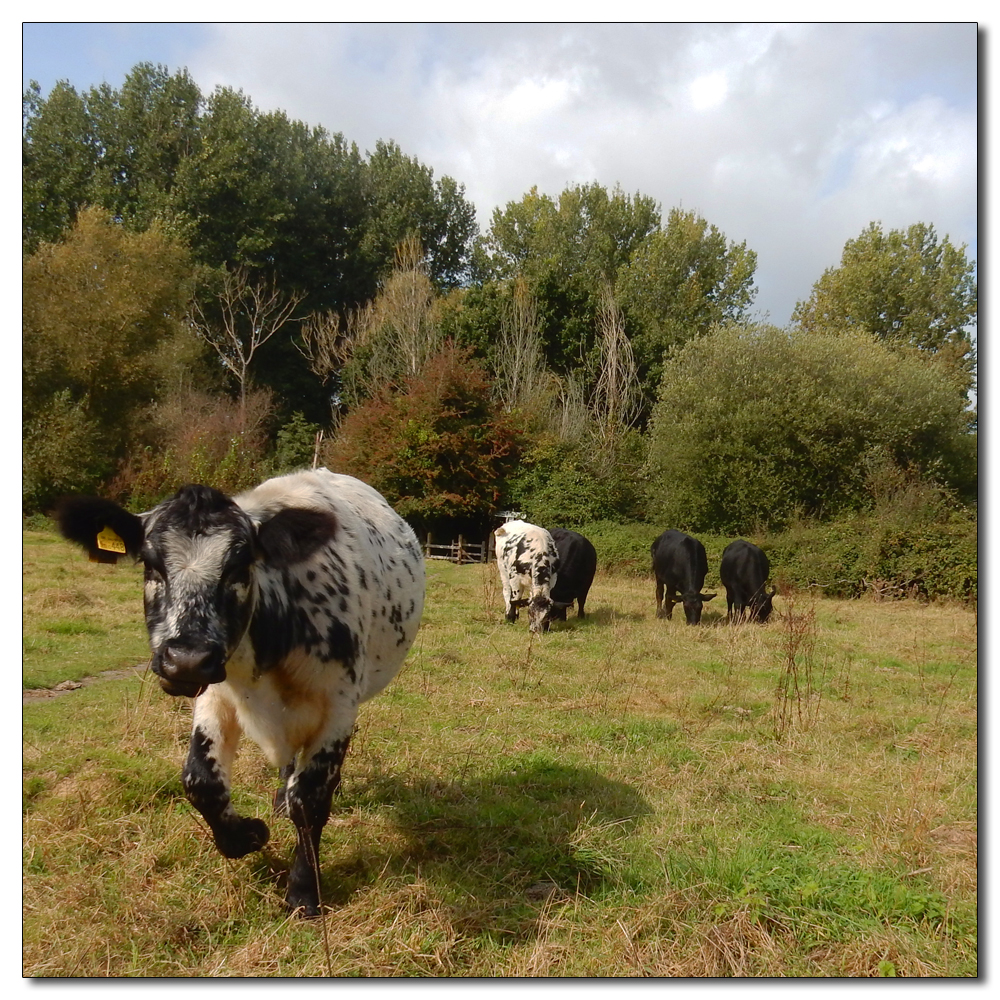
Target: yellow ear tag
x,y
110,542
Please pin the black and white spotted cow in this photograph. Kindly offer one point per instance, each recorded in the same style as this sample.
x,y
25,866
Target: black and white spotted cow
x,y
279,611
529,565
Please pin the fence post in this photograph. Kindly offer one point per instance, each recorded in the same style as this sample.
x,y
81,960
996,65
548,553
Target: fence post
x,y
460,552
427,551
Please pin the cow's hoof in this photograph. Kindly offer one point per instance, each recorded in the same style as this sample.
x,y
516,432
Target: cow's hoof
x,y
662,614
305,911
300,904
241,838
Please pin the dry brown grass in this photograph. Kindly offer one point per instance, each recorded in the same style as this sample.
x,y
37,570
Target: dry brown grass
x,y
620,797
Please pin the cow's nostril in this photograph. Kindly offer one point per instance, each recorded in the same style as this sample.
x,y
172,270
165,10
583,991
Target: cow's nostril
x,y
178,662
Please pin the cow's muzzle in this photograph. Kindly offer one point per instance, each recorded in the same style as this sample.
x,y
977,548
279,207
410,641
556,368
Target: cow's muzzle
x,y
186,672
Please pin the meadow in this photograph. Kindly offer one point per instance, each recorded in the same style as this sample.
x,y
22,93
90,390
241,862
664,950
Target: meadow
x,y
623,796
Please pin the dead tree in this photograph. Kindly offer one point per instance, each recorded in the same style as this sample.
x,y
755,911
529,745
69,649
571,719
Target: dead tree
x,y
250,313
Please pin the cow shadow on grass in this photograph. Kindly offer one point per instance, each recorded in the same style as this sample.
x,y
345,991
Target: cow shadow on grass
x,y
599,616
497,847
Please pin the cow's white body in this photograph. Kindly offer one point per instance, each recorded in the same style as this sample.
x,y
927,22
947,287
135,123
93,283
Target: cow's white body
x,y
293,708
528,564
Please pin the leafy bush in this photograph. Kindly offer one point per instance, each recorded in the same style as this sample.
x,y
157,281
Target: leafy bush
x,y
885,554
757,426
61,452
563,484
621,548
848,556
196,437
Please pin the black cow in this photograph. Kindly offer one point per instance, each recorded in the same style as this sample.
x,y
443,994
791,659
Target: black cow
x,y
680,565
744,573
577,566
279,611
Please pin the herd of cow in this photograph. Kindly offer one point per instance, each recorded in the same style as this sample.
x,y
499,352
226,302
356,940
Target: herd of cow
x,y
545,571
279,611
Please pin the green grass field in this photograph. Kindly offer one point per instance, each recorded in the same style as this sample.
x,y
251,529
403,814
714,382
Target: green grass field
x,y
620,797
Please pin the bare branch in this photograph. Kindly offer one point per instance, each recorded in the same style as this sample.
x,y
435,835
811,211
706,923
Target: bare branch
x,y
520,365
251,313
616,398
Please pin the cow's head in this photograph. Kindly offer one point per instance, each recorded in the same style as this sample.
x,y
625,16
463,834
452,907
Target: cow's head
x,y
540,613
761,606
201,552
692,606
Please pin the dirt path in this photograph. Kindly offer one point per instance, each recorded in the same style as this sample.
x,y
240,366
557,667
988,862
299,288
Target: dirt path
x,y
29,695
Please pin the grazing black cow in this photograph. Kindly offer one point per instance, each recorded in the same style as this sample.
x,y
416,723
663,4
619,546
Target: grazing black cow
x,y
680,565
744,573
279,611
577,566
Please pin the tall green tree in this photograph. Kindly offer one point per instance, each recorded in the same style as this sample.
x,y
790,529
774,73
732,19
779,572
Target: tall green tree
x,y
104,334
406,202
903,287
59,156
587,230
678,282
146,129
566,249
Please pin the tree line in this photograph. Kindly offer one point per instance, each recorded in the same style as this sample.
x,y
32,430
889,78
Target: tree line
x,y
212,292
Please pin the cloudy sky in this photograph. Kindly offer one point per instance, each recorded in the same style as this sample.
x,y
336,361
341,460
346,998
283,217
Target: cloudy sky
x,y
792,137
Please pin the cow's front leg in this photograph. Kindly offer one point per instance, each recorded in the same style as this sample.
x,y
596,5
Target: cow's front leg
x,y
307,798
214,739
660,613
510,600
668,603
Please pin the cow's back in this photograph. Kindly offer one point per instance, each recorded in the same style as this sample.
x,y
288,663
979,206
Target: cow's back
x,y
744,568
363,592
679,560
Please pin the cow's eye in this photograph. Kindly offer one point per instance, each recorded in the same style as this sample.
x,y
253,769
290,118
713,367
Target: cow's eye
x,y
154,572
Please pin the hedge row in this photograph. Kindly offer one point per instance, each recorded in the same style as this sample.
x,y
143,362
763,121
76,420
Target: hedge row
x,y
844,558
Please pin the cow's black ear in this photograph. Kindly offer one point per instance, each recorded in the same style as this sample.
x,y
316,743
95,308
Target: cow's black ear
x,y
294,534
707,597
100,526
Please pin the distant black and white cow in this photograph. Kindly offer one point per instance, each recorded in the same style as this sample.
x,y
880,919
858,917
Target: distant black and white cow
x,y
279,611
744,571
577,566
679,565
529,566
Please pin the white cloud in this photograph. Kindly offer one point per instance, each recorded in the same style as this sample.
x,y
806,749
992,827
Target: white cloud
x,y
791,137
708,91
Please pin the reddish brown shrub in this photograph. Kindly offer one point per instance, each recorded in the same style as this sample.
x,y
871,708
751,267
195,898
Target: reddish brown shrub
x,y
197,437
440,449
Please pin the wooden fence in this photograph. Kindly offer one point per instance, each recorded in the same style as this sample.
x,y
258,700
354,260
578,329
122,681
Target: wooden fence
x,y
459,552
